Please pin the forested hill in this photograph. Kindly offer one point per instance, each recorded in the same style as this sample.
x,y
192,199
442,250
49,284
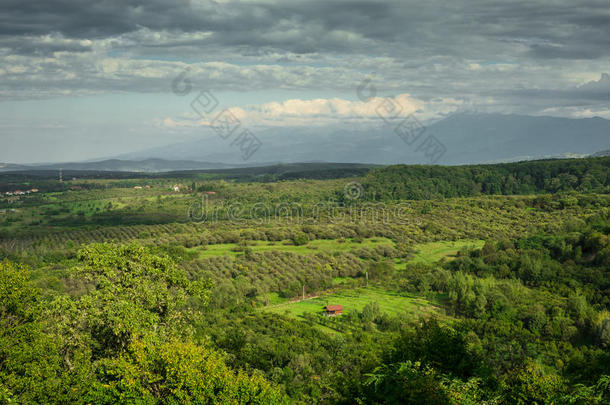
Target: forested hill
x,y
542,176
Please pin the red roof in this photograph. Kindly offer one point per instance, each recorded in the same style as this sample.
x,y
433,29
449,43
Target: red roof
x,y
334,308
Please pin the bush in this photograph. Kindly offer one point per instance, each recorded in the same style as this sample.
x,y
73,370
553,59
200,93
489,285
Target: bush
x,y
300,239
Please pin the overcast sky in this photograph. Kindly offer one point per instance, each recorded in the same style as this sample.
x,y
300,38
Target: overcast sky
x,y
85,79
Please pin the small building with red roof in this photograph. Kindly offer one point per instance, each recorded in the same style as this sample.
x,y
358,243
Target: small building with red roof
x,y
332,310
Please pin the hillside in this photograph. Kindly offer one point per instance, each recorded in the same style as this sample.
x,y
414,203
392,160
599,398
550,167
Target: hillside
x,y
543,176
154,285
116,165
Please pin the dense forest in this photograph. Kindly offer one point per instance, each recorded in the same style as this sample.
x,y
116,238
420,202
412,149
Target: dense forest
x,y
544,176
492,288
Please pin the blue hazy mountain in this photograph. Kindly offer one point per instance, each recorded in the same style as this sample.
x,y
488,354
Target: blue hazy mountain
x,y
468,138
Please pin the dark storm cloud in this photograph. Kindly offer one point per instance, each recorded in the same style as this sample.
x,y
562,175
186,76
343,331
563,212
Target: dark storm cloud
x,y
512,52
89,19
44,46
100,19
304,26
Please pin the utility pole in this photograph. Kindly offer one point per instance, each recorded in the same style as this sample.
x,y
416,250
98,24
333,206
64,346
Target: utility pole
x,y
303,292
367,278
61,177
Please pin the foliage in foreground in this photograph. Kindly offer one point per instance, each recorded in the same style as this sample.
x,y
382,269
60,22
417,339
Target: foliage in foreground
x,y
122,340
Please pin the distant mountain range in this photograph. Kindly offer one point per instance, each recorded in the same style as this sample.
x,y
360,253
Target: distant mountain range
x,y
467,139
145,165
601,153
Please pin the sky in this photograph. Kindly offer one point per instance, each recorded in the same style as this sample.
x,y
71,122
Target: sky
x,y
85,79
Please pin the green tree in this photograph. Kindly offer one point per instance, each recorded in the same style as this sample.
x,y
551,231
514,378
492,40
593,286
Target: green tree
x,y
32,369
131,291
300,238
440,346
176,372
404,383
531,384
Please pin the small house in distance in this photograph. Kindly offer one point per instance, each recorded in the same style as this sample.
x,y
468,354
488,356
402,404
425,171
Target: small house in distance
x,y
332,310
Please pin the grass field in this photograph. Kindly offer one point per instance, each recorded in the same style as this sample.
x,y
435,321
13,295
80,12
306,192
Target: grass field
x,y
435,251
354,300
318,245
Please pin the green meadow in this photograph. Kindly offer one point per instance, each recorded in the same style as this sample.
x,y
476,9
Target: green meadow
x,y
352,300
318,245
435,251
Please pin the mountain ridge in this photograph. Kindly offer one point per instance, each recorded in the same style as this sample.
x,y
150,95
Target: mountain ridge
x,y
468,137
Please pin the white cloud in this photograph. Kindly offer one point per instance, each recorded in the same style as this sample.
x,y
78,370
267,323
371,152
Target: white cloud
x,y
322,111
576,112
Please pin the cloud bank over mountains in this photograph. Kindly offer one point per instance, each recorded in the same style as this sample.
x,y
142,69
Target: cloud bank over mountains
x,y
332,111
